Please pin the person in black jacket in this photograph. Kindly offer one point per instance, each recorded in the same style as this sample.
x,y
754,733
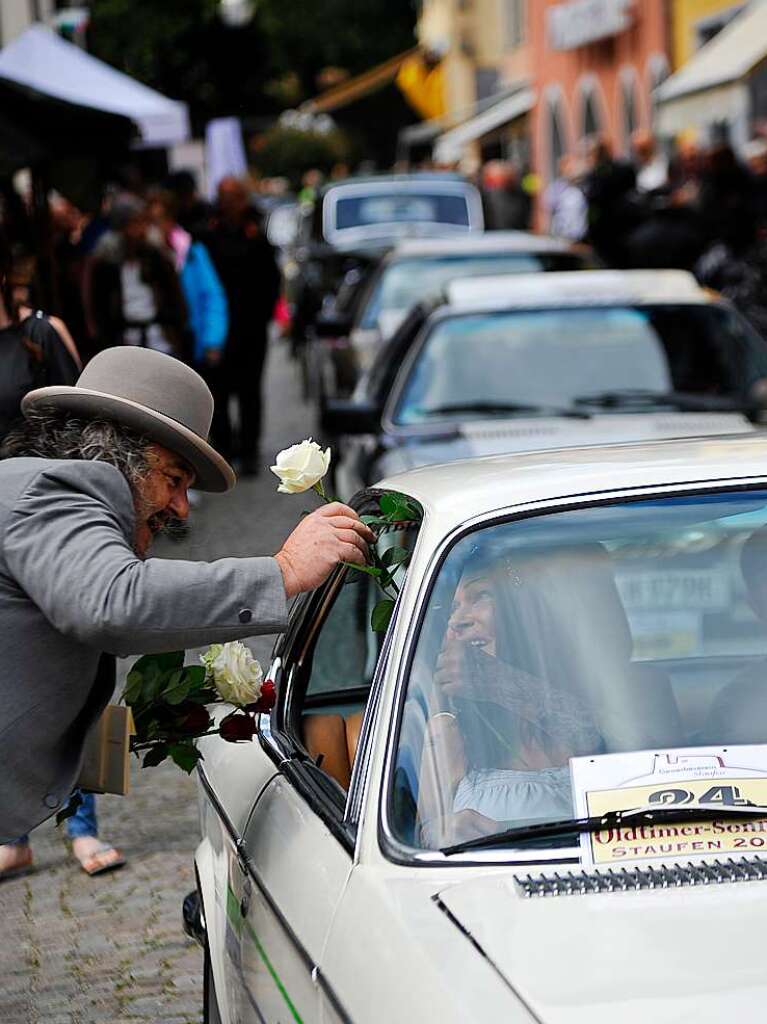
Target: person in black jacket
x,y
32,353
247,266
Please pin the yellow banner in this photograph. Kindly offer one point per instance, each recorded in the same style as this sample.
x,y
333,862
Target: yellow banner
x,y
423,86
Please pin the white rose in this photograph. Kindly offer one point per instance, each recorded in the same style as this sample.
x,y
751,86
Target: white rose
x,y
236,674
301,467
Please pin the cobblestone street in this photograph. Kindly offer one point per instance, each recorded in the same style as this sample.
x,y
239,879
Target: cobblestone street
x,y
77,950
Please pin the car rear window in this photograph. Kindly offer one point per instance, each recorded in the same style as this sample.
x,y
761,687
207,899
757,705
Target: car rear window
x,y
401,208
551,357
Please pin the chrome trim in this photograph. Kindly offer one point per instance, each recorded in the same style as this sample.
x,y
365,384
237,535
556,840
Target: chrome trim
x,y
636,879
392,848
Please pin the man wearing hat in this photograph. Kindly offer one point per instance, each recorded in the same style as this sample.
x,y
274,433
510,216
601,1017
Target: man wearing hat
x,y
95,473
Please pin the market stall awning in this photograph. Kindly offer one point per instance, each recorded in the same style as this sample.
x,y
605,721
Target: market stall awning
x,y
487,118
356,88
712,87
42,61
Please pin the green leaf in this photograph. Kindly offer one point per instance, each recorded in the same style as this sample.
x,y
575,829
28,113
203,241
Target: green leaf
x,y
185,755
177,689
144,664
170,660
155,755
374,520
371,570
388,504
381,616
196,676
70,808
132,690
394,556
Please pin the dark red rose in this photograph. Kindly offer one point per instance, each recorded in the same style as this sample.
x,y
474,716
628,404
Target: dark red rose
x,y
193,719
265,702
237,727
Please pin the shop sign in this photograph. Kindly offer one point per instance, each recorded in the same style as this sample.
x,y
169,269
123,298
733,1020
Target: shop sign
x,y
712,778
579,22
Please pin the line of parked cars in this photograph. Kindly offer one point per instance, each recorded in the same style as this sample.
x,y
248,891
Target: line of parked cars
x,y
583,584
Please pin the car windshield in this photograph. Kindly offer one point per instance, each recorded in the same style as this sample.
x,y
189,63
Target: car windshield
x,y
401,208
619,627
404,282
551,357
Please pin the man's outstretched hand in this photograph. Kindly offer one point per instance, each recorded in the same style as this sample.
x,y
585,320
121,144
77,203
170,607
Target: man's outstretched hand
x,y
329,535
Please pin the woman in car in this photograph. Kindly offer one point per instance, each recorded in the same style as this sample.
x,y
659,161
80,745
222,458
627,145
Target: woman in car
x,y
503,734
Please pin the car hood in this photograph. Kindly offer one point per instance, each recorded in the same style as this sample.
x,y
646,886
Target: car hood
x,y
664,955
524,434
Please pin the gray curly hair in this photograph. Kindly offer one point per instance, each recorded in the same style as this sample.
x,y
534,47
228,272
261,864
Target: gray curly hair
x,y
52,434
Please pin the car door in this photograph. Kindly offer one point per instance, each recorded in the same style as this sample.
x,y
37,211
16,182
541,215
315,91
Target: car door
x,y
296,853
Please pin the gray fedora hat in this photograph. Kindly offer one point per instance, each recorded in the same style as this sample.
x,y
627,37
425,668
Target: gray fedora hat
x,y
155,395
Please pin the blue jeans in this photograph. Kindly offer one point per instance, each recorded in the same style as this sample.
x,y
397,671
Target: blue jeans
x,y
82,823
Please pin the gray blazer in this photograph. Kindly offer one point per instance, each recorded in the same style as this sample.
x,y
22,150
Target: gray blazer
x,y
71,591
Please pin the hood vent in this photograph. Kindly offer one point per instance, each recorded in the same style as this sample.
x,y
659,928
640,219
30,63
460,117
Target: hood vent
x,y
714,872
472,430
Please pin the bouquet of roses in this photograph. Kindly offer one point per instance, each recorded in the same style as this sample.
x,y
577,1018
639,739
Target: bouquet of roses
x,y
170,701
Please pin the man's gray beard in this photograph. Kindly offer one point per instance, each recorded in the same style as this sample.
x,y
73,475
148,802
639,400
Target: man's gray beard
x,y
174,529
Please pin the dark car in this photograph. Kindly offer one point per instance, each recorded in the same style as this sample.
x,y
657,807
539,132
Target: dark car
x,y
374,300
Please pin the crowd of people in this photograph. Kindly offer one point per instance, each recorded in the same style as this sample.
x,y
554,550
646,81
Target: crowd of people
x,y
703,210
159,268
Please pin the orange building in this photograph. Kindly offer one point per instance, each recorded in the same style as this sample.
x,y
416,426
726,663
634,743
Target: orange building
x,y
595,64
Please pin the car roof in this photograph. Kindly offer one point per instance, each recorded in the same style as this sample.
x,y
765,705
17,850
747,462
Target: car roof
x,y
480,242
455,493
418,178
575,288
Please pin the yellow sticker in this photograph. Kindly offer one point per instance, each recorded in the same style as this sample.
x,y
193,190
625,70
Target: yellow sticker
x,y
717,779
683,839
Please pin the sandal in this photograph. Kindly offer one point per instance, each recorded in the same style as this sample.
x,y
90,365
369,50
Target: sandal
x,y
104,858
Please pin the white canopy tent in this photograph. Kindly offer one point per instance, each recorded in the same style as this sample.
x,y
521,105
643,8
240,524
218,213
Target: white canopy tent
x,y
712,88
41,60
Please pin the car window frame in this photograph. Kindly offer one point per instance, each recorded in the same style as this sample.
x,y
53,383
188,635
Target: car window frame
x,y
390,846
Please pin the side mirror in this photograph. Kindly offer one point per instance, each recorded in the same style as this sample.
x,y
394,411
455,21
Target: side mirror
x,y
343,416
331,324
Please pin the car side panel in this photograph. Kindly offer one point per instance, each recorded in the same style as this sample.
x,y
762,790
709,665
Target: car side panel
x,y
393,954
297,874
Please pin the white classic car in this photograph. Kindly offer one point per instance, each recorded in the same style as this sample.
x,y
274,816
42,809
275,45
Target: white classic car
x,y
381,851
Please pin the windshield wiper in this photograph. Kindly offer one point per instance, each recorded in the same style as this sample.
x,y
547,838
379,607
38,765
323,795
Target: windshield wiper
x,y
685,400
632,816
512,407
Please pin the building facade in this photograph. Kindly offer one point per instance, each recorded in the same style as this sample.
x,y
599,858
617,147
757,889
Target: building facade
x,y
693,23
596,65
485,57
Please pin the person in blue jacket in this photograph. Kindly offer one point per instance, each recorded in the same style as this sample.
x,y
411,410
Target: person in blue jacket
x,y
203,291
